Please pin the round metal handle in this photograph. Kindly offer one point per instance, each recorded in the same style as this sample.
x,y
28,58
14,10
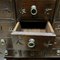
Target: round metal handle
x,y
33,10
31,43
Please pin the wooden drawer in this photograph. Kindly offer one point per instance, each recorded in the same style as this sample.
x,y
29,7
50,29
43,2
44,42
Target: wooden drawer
x,y
41,5
38,38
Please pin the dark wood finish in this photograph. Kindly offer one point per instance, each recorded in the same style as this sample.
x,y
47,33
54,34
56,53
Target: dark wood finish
x,y
7,10
41,6
39,41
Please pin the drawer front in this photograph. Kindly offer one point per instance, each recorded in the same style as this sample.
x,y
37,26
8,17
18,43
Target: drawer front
x,y
37,42
33,42
23,8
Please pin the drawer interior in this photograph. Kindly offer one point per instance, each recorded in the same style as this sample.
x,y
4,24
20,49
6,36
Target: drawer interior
x,y
48,30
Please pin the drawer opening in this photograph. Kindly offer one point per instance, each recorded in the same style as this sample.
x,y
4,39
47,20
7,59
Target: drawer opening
x,y
33,24
47,31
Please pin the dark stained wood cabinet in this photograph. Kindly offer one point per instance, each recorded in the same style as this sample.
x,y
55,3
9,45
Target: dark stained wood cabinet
x,y
33,27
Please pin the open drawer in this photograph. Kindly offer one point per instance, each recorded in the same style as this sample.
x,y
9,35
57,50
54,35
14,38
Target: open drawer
x,y
35,38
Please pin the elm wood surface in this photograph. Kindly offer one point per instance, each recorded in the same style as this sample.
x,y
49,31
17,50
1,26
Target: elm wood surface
x,y
39,42
41,6
7,10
